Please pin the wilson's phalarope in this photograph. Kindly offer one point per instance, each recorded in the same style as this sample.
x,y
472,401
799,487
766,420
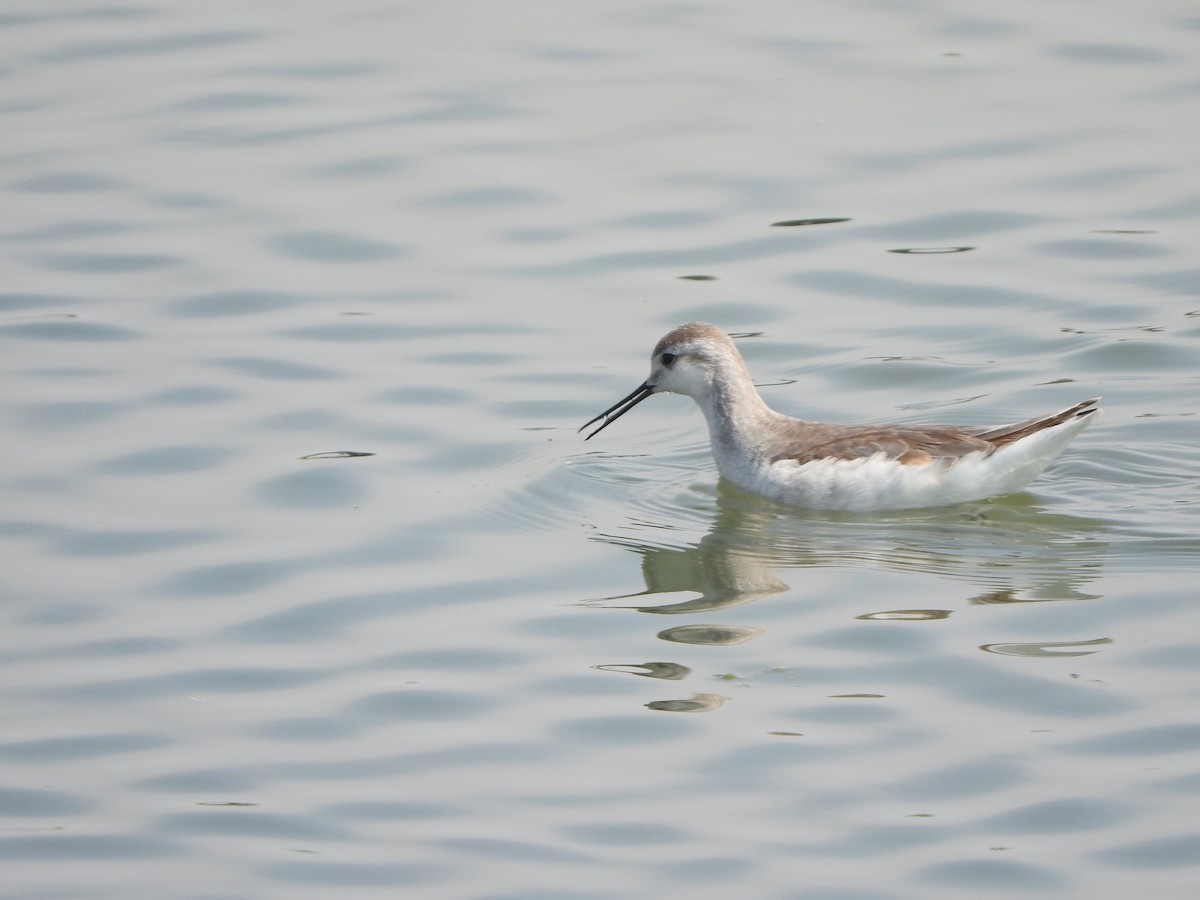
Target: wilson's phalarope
x,y
851,467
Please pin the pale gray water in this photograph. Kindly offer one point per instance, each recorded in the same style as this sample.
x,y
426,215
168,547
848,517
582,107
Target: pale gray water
x,y
490,660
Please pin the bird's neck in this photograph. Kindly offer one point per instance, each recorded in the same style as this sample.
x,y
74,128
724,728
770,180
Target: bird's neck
x,y
737,419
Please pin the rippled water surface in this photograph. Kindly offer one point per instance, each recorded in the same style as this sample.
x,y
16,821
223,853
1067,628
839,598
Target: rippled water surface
x,y
311,588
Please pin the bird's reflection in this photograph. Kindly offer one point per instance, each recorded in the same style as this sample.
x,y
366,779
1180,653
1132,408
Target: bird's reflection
x,y
1008,551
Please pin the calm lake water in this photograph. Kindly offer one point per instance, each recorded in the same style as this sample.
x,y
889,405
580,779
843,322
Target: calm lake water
x,y
311,589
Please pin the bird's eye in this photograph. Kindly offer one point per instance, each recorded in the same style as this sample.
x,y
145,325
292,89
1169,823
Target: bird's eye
x,y
668,359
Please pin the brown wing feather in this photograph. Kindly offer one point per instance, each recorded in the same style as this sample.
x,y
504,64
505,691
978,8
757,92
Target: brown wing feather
x,y
916,445
1007,434
909,445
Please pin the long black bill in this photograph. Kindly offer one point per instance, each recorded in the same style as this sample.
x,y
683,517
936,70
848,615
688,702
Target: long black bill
x,y
618,409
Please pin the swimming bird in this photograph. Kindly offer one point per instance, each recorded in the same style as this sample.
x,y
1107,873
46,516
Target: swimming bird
x,y
846,467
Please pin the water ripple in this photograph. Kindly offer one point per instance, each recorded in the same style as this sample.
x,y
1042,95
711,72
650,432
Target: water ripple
x,y
125,543
70,330
77,748
82,51
94,847
234,303
329,246
992,874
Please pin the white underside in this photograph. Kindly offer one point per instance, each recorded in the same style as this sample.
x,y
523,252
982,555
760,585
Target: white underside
x,y
876,482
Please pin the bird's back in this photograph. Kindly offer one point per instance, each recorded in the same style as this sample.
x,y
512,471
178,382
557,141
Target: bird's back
x,y
865,467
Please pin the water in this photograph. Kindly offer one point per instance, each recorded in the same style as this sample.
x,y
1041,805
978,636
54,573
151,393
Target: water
x,y
311,587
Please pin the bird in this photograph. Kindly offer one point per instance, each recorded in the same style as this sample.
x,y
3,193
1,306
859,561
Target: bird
x,y
856,468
